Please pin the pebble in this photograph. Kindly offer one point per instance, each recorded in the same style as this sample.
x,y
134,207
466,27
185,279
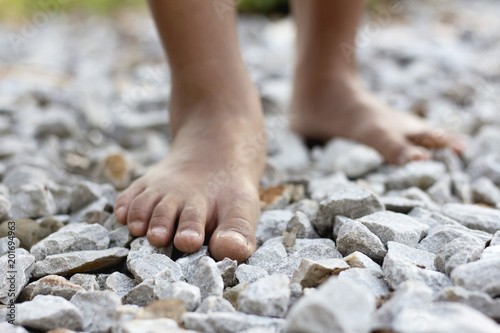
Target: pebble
x,y
271,224
189,262
271,253
188,293
120,283
73,237
320,188
4,206
232,294
302,225
485,191
268,296
339,306
249,273
172,308
86,281
30,232
278,197
79,262
24,266
54,285
354,236
227,322
431,218
142,294
306,206
371,280
140,247
311,273
475,299
215,304
150,326
227,269
490,252
390,226
120,237
352,203
496,239
474,217
47,312
9,328
360,260
98,309
482,275
8,243
421,174
442,235
457,252
207,277
31,201
150,265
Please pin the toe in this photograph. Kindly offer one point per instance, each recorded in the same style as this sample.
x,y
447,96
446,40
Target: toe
x,y
162,223
438,138
140,212
190,233
123,201
234,237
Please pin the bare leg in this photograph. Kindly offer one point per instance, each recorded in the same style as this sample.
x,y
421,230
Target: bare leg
x,y
329,99
208,182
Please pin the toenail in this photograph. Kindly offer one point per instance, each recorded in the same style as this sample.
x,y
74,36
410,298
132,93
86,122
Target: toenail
x,y
160,231
120,210
189,233
235,236
136,224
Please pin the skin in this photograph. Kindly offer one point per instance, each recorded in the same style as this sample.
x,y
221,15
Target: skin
x,y
207,185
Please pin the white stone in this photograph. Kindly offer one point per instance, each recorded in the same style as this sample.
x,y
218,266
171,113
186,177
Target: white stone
x,y
268,296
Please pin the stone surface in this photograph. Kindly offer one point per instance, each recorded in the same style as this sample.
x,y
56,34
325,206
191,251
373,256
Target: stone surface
x,y
474,217
482,275
78,262
248,273
439,236
9,328
29,232
8,243
150,326
360,260
496,239
4,206
351,202
140,247
120,237
120,283
371,280
354,236
55,285
320,188
47,312
30,201
457,252
150,265
475,299
337,306
311,273
22,266
271,224
485,191
268,296
302,225
188,293
172,308
207,278
73,237
142,294
227,269
269,254
97,309
226,322
87,281
215,304
189,262
421,174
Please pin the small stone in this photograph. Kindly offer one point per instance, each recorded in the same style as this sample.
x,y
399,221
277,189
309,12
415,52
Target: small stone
x,y
271,224
4,206
232,294
207,278
189,294
269,254
485,191
485,166
337,306
227,269
5,327
312,273
120,283
78,262
475,299
401,205
278,197
8,243
24,265
249,273
457,252
142,294
417,257
372,281
490,252
482,275
302,225
55,285
390,226
31,201
85,193
268,296
140,247
354,236
360,260
151,326
125,312
172,308
98,309
29,231
87,281
150,265
496,239
227,322
73,237
115,169
306,206
474,217
215,304
47,312
321,188
421,174
189,262
120,237
432,219
441,235
352,203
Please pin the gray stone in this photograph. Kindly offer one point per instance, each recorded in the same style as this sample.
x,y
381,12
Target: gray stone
x,y
215,304
401,205
150,265
7,244
475,299
271,253
249,273
98,309
125,312
4,206
227,269
441,235
371,280
120,237
47,312
54,285
399,267
120,283
79,262
24,265
320,188
474,217
485,191
306,206
490,252
422,259
190,262
158,325
351,202
188,293
87,281
86,193
142,294
421,174
432,219
271,224
487,166
360,260
354,236
268,296
31,200
228,322
302,225
461,186
482,275
390,226
9,328
140,247
73,237
207,278
337,306
457,252
312,273
496,239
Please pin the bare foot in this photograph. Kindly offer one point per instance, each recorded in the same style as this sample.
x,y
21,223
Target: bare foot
x,y
207,185
326,106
